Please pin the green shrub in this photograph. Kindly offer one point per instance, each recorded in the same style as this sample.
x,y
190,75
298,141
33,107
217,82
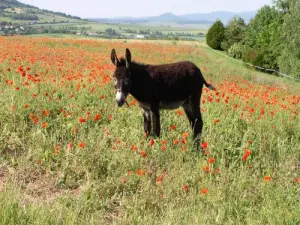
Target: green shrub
x,y
258,57
236,50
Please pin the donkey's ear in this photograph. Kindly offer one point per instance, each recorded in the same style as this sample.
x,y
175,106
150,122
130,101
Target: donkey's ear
x,y
114,57
128,58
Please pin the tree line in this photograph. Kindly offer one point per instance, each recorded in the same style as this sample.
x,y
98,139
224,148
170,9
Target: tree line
x,y
270,40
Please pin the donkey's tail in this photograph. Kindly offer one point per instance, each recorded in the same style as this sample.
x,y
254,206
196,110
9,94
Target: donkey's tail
x,y
209,86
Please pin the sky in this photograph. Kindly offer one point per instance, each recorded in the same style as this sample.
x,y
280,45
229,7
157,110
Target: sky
x,y
141,8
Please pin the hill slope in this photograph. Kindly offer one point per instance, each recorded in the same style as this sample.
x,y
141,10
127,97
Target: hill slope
x,y
15,11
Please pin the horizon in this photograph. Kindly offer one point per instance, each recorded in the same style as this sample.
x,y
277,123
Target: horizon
x,y
96,9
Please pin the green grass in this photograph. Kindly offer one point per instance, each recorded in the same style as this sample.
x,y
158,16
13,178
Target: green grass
x,y
42,181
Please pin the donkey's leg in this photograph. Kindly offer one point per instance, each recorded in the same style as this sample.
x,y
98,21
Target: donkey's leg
x,y
189,113
147,122
197,122
155,118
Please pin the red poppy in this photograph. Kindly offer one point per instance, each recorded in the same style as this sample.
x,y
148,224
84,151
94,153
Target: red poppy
x,y
56,150
246,154
267,178
211,160
206,169
82,120
44,125
217,121
134,148
46,112
204,191
70,146
97,117
140,172
172,127
217,171
143,154
204,145
81,145
184,135
185,188
151,142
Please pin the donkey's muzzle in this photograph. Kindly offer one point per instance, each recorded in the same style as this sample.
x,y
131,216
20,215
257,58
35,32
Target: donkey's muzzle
x,y
120,104
120,98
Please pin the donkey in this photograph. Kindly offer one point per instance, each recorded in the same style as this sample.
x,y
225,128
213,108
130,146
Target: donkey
x,y
155,87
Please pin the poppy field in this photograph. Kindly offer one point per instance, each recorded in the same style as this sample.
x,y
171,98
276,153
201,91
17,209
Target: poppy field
x,y
69,155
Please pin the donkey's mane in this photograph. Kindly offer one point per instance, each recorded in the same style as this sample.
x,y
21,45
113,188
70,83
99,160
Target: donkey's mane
x,y
133,63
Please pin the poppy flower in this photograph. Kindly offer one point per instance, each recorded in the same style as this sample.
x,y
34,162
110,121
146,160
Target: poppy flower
x,y
211,160
172,127
81,145
204,145
267,178
204,191
143,154
56,150
97,117
217,171
151,142
70,146
217,121
185,188
134,148
175,141
246,154
206,169
44,125
36,120
184,135
140,172
82,120
179,112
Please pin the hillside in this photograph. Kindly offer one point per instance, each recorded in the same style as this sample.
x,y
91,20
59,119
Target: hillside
x,y
18,12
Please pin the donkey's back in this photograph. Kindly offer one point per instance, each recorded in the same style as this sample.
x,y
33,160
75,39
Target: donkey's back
x,y
175,81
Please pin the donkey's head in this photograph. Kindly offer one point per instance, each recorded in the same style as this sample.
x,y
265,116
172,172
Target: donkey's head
x,y
122,76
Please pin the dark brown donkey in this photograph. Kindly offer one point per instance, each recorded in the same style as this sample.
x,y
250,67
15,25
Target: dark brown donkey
x,y
156,87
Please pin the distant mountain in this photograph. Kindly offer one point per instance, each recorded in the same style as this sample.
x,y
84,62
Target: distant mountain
x,y
166,17
203,18
221,15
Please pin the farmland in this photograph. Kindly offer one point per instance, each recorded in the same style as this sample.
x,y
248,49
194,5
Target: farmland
x,y
69,155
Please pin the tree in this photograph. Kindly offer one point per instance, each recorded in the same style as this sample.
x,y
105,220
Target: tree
x,y
263,36
289,61
234,32
215,35
283,5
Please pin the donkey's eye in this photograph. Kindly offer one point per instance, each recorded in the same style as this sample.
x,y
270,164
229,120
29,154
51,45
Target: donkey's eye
x,y
126,81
